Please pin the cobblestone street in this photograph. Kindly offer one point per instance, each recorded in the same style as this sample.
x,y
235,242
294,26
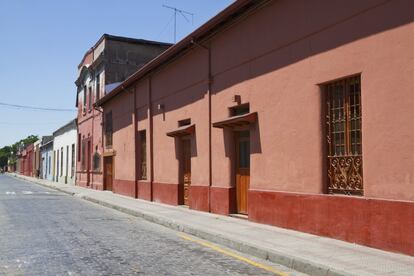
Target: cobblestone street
x,y
45,232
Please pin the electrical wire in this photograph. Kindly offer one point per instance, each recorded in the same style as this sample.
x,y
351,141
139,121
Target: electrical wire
x,y
28,124
165,27
36,108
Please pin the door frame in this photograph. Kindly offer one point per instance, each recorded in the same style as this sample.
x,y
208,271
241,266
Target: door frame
x,y
105,158
236,139
181,190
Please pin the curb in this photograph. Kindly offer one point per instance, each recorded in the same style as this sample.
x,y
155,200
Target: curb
x,y
278,257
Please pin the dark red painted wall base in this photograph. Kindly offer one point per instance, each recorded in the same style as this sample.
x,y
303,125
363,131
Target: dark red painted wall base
x,y
124,187
223,200
95,180
81,183
165,193
198,198
383,224
144,190
98,187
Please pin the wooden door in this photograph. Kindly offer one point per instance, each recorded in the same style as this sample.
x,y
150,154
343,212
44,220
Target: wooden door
x,y
108,171
242,170
186,169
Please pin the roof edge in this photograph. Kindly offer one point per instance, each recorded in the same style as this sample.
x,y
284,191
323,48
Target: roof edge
x,y
215,22
71,122
122,39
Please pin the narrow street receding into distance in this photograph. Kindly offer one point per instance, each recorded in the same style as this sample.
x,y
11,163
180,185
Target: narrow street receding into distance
x,y
46,232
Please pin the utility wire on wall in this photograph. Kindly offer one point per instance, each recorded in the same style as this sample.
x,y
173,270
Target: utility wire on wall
x,y
36,108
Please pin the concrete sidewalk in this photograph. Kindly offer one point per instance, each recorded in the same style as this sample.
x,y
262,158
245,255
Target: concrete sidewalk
x,y
303,252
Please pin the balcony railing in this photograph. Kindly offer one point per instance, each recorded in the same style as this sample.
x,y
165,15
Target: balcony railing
x,y
345,175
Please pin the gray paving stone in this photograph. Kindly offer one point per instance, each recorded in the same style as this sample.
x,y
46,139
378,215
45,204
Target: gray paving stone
x,y
46,232
303,252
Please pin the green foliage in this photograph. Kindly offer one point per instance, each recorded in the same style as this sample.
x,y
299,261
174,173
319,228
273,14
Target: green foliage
x,y
10,152
5,154
29,140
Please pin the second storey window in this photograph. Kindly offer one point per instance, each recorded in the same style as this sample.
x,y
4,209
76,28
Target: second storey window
x,y
85,94
90,98
96,161
344,136
98,86
108,129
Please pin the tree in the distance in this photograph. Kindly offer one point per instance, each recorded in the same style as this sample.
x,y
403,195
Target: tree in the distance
x,y
10,152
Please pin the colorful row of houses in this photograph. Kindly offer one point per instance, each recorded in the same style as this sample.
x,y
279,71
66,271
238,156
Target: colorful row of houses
x,y
295,113
51,157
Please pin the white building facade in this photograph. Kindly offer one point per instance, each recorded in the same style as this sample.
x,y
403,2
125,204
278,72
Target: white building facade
x,y
64,153
46,152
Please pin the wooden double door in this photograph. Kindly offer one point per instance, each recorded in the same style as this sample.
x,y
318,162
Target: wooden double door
x,y
242,141
186,169
108,173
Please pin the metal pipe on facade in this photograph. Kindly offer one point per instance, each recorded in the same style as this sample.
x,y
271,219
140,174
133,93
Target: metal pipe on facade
x,y
151,133
136,141
210,80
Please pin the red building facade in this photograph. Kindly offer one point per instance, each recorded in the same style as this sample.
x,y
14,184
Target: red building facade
x,y
110,61
26,160
278,111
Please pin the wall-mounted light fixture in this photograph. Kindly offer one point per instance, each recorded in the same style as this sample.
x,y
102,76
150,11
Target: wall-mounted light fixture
x,y
160,107
237,99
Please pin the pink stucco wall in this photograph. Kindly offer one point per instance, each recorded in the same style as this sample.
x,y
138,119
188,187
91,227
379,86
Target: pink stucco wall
x,y
278,69
276,59
123,136
90,127
181,88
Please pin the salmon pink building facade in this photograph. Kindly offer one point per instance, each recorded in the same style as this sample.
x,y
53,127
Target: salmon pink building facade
x,y
291,113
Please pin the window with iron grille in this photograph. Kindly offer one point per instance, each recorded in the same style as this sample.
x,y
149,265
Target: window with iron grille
x,y
185,122
96,161
83,155
344,143
143,153
239,109
79,147
108,129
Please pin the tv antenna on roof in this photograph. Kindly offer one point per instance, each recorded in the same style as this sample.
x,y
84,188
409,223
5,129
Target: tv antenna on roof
x,y
183,13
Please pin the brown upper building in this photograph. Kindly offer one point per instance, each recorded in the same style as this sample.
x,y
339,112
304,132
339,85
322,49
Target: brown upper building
x,y
109,62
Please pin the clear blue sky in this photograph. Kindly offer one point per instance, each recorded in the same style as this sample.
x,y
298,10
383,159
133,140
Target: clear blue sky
x,y
43,41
